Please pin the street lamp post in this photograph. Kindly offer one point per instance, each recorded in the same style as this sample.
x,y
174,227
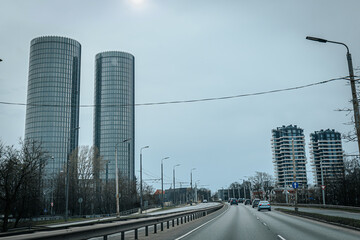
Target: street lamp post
x,y
192,195
117,179
67,181
162,181
141,192
52,187
322,183
294,172
352,84
174,181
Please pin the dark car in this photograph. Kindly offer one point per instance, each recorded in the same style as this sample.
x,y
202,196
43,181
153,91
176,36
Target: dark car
x,y
240,200
234,201
255,203
247,201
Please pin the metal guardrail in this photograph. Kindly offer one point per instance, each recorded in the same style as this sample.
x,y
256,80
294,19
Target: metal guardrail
x,y
115,227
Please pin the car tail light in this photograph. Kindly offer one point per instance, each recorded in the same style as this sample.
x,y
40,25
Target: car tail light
x,y
260,204
268,204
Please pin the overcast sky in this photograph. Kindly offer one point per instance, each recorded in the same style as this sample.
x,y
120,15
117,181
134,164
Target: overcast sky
x,y
193,49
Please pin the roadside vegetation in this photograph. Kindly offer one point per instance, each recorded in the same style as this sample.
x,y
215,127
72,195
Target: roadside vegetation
x,y
330,219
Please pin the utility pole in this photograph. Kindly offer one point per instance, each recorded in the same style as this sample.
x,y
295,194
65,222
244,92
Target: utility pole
x,y
117,184
322,183
294,172
352,84
141,190
162,181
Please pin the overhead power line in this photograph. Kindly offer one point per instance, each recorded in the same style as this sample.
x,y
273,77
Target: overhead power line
x,y
183,101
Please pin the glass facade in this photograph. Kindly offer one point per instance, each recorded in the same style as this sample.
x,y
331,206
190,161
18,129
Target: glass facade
x,y
114,115
52,112
326,153
288,144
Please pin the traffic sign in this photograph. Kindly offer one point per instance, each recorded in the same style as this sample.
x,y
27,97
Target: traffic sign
x,y
323,187
295,185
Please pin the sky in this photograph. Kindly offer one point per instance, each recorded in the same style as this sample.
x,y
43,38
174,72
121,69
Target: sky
x,y
186,50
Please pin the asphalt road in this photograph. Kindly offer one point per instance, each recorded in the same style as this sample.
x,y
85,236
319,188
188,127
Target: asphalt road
x,y
244,222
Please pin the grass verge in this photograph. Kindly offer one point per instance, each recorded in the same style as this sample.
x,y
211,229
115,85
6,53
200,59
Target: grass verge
x,y
353,223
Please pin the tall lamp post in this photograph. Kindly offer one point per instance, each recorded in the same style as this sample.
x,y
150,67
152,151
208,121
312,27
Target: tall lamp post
x,y
117,178
174,181
162,181
141,192
52,187
192,195
352,84
67,181
322,183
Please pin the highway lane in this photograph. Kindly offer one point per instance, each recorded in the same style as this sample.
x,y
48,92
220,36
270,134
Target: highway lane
x,y
244,222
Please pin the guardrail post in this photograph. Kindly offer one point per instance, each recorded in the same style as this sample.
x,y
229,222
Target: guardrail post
x,y
155,228
162,226
173,222
122,235
181,220
168,225
105,237
147,231
185,218
177,221
136,233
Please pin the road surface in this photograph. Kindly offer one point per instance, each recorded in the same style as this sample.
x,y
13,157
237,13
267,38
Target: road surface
x,y
244,222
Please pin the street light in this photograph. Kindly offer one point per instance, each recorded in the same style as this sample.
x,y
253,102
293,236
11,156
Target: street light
x,y
52,186
67,181
174,180
322,183
162,181
117,178
352,84
141,196
192,195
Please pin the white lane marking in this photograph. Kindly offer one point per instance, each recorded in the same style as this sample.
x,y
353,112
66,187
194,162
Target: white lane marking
x,y
181,237
281,237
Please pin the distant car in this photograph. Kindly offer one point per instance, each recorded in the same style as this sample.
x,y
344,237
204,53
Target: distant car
x,y
264,205
255,202
204,201
240,200
234,201
247,201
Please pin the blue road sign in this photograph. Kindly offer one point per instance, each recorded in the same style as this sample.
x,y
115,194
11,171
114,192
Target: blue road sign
x,y
295,185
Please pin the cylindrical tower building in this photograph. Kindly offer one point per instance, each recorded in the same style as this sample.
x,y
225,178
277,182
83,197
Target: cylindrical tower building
x,y
114,115
52,113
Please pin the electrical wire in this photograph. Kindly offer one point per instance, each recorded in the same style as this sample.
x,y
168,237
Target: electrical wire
x,y
181,101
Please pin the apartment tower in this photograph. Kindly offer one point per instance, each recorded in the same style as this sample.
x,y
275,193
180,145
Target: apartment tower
x,y
288,146
326,155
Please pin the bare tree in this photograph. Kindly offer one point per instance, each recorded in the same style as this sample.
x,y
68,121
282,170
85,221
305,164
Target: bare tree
x,y
20,178
262,182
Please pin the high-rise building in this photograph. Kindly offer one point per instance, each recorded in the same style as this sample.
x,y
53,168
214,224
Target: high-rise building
x,y
52,112
288,144
326,153
114,115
